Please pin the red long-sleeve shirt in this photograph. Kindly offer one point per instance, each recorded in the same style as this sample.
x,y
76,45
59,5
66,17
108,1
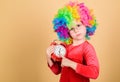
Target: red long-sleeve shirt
x,y
87,64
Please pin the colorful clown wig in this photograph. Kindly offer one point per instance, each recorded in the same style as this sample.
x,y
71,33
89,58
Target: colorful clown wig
x,y
74,11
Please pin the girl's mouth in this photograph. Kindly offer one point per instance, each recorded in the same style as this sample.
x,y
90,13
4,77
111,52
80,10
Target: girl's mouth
x,y
78,34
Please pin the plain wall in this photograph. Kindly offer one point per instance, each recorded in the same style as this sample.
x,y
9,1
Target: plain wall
x,y
26,31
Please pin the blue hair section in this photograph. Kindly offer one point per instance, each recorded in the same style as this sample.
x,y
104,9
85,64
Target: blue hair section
x,y
61,28
57,22
90,31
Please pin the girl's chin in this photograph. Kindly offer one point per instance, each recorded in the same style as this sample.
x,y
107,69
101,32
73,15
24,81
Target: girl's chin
x,y
80,38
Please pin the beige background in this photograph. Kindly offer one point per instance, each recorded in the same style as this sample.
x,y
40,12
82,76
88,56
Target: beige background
x,y
26,31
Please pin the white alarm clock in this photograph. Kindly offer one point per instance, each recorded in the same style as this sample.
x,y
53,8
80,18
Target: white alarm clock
x,y
59,50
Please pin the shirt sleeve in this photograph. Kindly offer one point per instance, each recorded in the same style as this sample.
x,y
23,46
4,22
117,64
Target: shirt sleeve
x,y
56,67
91,68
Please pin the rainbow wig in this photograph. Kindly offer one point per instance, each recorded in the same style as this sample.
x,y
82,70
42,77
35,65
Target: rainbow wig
x,y
74,11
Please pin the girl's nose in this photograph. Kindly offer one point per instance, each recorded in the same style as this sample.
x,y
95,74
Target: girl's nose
x,y
76,30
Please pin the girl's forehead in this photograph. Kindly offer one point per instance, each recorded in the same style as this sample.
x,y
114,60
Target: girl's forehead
x,y
77,23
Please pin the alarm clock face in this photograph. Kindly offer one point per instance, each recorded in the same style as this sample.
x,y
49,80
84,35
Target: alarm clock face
x,y
59,50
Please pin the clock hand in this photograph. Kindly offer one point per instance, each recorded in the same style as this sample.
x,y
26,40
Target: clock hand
x,y
59,50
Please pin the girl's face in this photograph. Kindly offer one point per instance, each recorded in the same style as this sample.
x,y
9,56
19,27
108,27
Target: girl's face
x,y
78,31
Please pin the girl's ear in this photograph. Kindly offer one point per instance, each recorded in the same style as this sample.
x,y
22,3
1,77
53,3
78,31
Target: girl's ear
x,y
69,35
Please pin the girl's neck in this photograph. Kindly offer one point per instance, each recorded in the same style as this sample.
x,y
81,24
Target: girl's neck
x,y
78,42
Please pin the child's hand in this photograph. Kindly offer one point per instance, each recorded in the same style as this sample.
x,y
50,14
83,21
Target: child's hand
x,y
65,62
50,50
68,63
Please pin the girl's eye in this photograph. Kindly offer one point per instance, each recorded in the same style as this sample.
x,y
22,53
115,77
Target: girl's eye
x,y
72,29
78,25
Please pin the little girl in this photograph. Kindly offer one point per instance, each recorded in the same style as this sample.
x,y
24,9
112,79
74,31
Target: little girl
x,y
74,24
